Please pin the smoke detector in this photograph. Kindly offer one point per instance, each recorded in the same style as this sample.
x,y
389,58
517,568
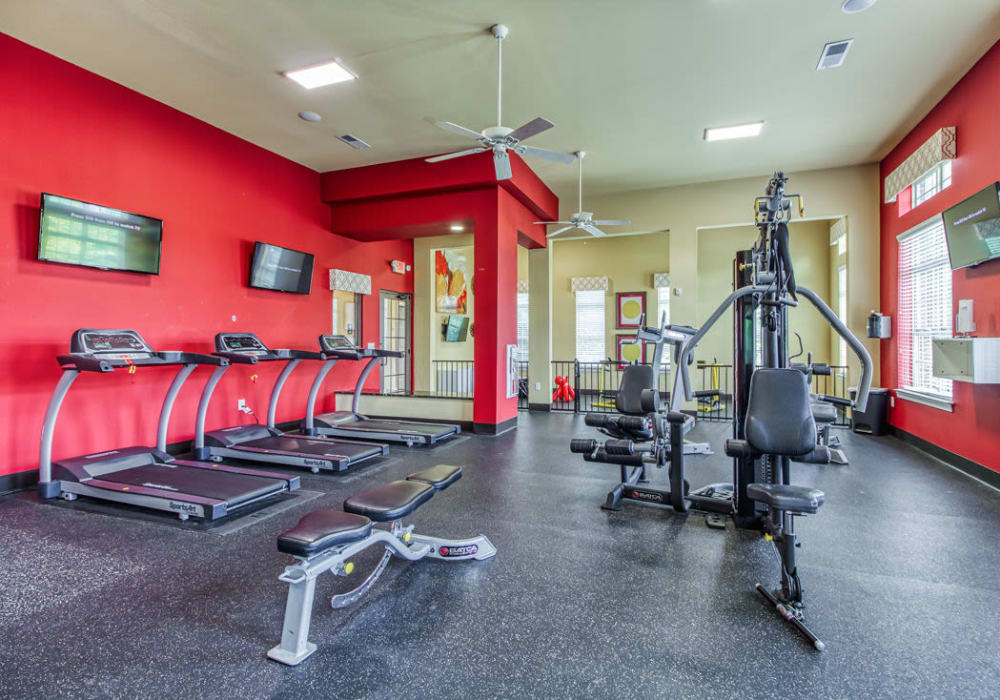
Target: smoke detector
x,y
353,141
834,54
852,6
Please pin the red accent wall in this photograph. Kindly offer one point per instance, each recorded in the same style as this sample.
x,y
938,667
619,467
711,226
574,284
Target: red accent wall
x,y
67,131
973,106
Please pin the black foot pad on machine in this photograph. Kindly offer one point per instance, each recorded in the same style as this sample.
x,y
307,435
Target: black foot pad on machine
x,y
390,501
440,477
321,530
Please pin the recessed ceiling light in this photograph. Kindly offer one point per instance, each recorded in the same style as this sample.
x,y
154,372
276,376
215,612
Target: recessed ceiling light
x,y
320,75
740,131
457,228
852,6
309,116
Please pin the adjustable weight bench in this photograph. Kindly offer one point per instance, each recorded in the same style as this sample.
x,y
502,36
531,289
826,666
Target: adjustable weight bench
x,y
325,540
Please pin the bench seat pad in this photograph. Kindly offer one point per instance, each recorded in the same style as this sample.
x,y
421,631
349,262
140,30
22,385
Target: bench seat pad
x,y
391,501
322,529
440,477
797,499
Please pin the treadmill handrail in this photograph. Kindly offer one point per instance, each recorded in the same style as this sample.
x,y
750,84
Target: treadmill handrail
x,y
84,363
182,357
290,354
240,358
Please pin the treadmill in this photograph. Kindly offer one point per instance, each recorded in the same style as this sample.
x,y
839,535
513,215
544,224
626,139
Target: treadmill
x,y
266,443
145,476
352,423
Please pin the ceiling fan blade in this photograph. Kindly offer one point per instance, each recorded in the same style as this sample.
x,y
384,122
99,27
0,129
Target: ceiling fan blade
x,y
545,153
526,131
612,222
456,154
547,223
593,230
557,232
460,130
501,163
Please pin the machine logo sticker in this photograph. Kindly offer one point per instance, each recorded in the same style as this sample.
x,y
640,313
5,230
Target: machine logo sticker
x,y
645,496
184,507
462,551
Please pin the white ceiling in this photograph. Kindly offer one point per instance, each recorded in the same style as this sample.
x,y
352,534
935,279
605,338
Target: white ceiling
x,y
633,82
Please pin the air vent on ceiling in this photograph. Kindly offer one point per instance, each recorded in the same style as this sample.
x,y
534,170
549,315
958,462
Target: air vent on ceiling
x,y
834,54
353,141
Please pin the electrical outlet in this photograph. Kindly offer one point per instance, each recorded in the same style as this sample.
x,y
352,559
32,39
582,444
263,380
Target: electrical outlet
x,y
538,386
241,405
892,401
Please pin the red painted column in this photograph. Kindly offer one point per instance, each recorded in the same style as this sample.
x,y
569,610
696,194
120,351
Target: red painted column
x,y
495,289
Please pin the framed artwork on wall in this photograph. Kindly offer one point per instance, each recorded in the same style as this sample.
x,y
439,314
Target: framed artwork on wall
x,y
630,306
628,351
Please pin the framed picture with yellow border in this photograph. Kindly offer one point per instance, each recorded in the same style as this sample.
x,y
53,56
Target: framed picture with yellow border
x,y
629,351
630,306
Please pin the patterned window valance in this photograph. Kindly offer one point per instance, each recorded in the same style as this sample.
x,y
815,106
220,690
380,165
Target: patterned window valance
x,y
661,280
939,147
522,286
345,281
583,284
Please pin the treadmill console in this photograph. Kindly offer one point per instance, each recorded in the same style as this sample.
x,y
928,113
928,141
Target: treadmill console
x,y
328,343
113,344
245,343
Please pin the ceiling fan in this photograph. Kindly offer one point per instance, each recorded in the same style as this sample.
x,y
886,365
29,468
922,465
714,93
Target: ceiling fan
x,y
499,138
584,220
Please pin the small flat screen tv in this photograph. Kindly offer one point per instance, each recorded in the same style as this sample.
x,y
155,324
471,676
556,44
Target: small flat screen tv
x,y
80,233
281,269
972,228
456,330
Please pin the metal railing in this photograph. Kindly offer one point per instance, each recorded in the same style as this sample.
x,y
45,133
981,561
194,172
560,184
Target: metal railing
x,y
595,385
835,384
718,377
453,378
522,385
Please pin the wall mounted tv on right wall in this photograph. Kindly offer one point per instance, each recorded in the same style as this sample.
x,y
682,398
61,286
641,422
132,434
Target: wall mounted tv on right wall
x,y
972,228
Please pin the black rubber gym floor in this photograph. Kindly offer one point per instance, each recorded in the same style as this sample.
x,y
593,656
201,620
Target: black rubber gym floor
x,y
900,569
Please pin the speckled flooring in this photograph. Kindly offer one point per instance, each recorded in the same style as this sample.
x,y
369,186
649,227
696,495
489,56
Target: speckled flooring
x,y
901,572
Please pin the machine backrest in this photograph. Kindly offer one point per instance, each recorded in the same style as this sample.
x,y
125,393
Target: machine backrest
x,y
635,379
779,418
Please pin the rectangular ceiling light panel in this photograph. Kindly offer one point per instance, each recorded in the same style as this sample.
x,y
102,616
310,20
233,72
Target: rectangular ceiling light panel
x,y
740,131
323,74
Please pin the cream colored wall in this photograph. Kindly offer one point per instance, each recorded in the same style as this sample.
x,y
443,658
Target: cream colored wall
x,y
852,192
522,263
810,244
427,343
629,262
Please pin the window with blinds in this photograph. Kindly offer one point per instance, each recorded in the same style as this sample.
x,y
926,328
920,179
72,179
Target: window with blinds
x,y
663,316
522,326
590,332
924,306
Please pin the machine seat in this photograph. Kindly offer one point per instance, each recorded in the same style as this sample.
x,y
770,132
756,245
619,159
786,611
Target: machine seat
x,y
440,477
322,529
635,379
779,418
796,499
391,501
824,412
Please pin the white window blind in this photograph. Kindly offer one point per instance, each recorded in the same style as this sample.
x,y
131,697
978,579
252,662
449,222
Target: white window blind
x,y
590,333
522,326
663,316
924,306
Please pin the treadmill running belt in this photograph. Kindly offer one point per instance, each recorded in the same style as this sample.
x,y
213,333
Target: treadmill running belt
x,y
225,486
312,446
393,426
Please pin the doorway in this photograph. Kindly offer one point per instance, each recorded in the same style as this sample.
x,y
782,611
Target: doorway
x,y
395,335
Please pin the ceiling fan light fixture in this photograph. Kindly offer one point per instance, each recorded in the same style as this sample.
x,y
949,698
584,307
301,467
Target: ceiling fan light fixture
x,y
852,6
738,131
320,75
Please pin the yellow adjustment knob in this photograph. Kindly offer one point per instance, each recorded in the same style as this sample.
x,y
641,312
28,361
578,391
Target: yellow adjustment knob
x,y
406,538
349,567
768,537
